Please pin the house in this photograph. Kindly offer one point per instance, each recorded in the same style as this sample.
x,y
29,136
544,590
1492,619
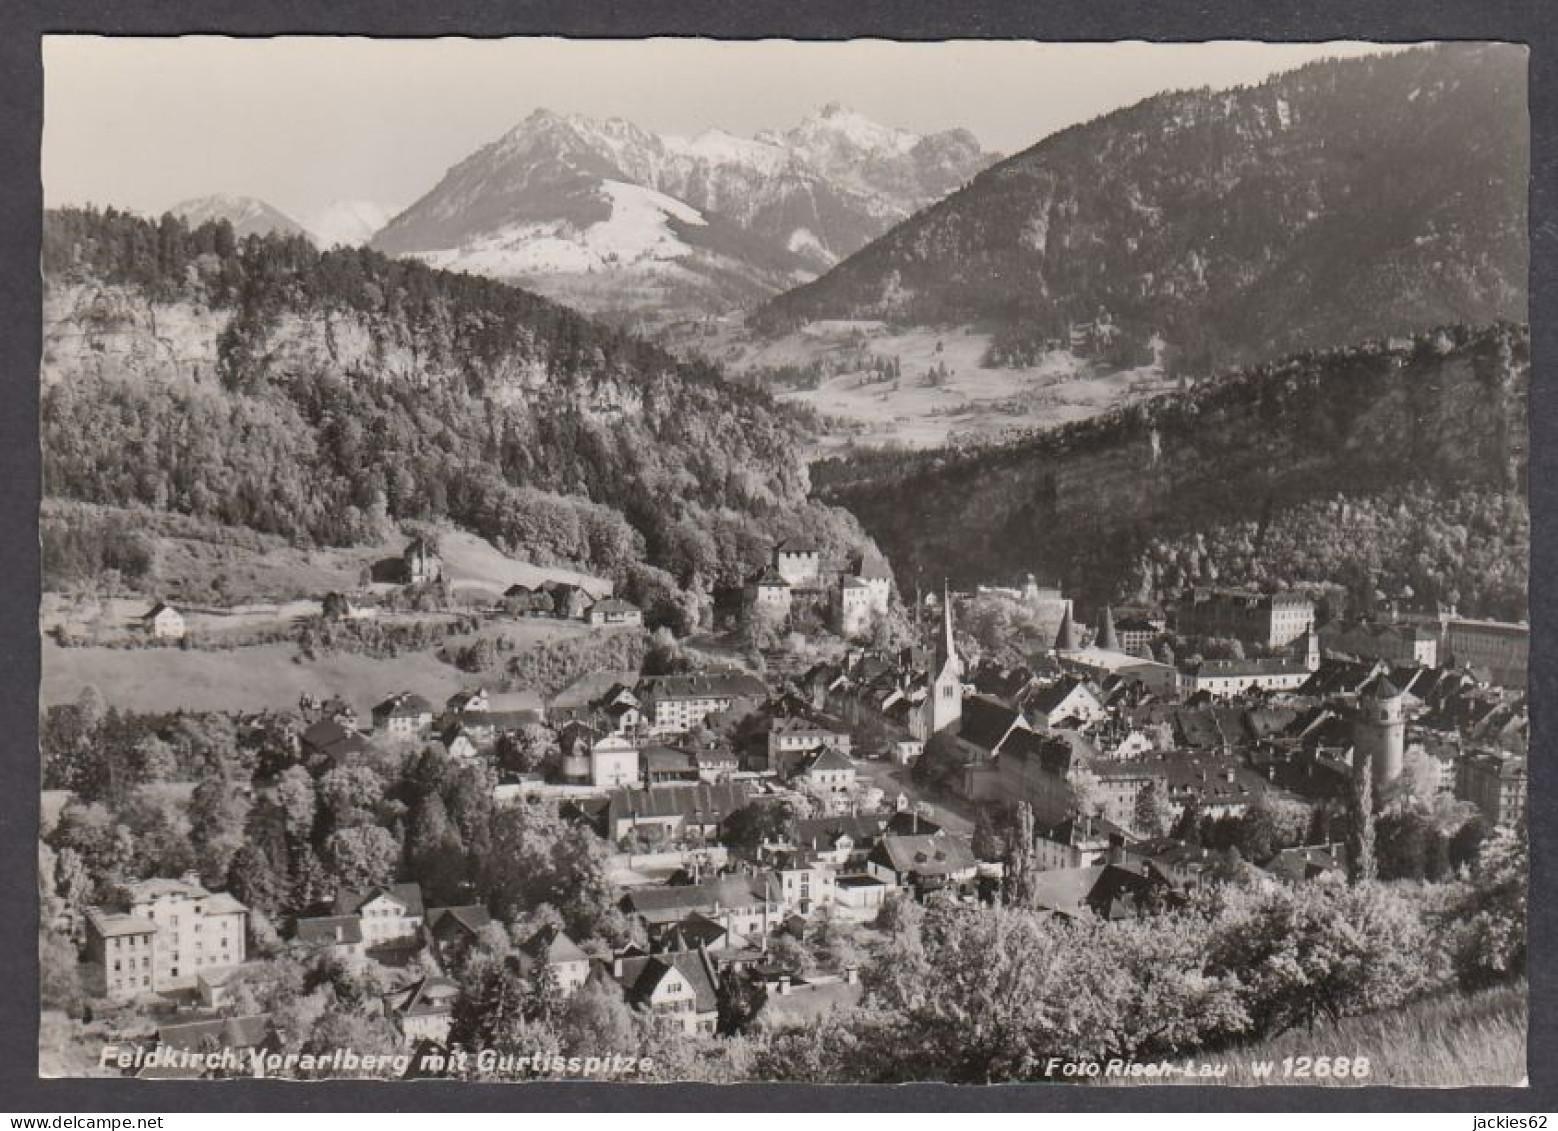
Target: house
x,y
421,561
746,905
568,963
1069,702
715,762
423,1010
923,863
1497,783
1270,620
674,704
613,762
1502,648
664,765
844,840
340,935
164,622
1110,891
680,810
1078,842
806,878
228,1042
792,737
390,913
459,743
163,934
1322,863
451,931
680,986
614,611
1223,679
403,715
826,772
331,740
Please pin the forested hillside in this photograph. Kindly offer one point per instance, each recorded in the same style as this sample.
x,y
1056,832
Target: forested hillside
x,y
1372,467
263,384
1343,200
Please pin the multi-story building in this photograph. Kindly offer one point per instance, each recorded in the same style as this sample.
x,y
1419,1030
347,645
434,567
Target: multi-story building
x,y
1503,648
403,715
673,704
1496,782
1393,643
163,935
390,914
1270,620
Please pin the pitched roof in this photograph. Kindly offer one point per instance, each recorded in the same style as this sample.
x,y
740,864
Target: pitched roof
x,y
555,945
226,1032
986,722
427,996
642,975
682,900
826,758
329,930
703,685
349,902
447,921
936,854
1046,700
711,803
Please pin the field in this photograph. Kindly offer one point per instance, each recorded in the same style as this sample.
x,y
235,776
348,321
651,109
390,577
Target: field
x,y
970,401
1445,1042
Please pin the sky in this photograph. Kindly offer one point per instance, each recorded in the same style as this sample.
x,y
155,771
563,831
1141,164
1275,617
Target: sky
x,y
144,123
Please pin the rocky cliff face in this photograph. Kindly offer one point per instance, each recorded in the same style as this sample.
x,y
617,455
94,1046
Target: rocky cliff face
x,y
1344,200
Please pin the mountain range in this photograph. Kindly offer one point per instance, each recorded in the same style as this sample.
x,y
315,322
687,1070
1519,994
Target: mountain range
x,y
347,223
608,216
1346,199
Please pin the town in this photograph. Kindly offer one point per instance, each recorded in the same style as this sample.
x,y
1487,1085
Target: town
x,y
707,846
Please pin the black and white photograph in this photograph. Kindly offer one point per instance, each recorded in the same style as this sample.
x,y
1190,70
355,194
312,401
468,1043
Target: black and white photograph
x,y
682,560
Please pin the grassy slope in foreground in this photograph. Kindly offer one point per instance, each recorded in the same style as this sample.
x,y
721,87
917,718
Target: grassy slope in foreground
x,y
1451,1041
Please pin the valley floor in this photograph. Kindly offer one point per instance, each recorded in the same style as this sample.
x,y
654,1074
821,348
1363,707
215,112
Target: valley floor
x,y
970,400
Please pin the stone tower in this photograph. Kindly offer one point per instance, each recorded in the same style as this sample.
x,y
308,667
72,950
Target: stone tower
x,y
1379,729
944,697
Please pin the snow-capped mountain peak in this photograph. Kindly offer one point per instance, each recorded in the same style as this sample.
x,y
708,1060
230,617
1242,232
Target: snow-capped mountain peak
x,y
348,223
248,215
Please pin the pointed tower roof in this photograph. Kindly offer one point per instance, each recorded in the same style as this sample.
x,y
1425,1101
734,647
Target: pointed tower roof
x,y
1067,639
946,645
1106,634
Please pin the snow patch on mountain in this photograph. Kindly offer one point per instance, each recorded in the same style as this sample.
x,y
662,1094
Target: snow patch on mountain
x,y
348,223
637,233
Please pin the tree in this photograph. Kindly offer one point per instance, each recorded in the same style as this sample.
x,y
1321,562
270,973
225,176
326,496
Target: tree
x,y
1489,927
1152,814
941,764
294,795
362,856
597,1021
254,880
757,822
435,852
1021,870
530,749
1187,827
218,812
349,796
1361,865
1256,837
59,981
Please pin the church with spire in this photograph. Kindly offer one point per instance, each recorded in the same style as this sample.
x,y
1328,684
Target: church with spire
x,y
943,705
